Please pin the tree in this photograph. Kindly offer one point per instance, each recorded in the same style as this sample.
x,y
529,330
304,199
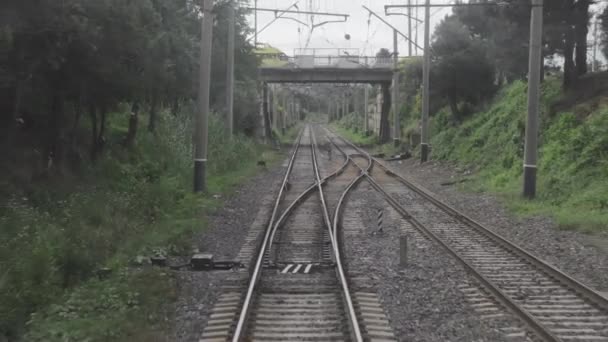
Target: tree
x,y
506,30
62,58
604,29
458,57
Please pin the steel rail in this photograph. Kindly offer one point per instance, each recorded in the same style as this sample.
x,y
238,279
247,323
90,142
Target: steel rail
x,y
354,323
259,262
350,186
272,228
581,288
534,324
300,197
594,297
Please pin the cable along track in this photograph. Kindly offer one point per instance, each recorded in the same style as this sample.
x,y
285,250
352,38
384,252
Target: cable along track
x,y
554,306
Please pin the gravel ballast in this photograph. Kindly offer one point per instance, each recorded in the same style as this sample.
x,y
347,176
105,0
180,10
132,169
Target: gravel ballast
x,y
422,299
580,255
228,227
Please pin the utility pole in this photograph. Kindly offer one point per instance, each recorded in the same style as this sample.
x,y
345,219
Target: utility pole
x,y
284,114
534,73
426,68
365,110
416,28
201,128
255,20
409,26
271,107
594,66
346,104
395,102
266,114
230,71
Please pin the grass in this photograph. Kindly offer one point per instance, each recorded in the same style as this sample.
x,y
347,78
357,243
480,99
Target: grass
x,y
573,155
290,135
57,234
350,128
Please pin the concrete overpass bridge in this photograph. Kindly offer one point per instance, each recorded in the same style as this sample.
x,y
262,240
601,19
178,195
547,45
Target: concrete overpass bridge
x,y
342,68
328,69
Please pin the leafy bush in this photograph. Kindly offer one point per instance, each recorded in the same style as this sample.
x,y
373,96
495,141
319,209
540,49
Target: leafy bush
x,y
573,155
54,238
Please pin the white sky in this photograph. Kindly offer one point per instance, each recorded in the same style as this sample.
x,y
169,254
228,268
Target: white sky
x,y
284,34
288,35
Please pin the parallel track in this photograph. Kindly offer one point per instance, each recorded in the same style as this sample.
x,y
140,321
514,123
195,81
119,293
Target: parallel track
x,y
554,306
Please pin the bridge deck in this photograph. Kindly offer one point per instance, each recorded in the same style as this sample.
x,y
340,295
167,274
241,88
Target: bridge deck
x,y
325,75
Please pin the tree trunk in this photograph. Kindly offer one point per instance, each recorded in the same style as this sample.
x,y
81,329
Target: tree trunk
x,y
101,139
74,130
77,116
384,133
153,114
454,108
542,67
569,67
581,18
133,122
18,96
175,106
94,141
53,155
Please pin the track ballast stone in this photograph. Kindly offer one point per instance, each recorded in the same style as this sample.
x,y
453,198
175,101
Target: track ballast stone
x,y
228,231
573,252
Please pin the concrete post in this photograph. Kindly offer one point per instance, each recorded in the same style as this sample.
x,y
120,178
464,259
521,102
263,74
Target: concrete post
x,y
202,120
266,113
534,74
403,251
426,69
284,114
229,125
395,102
409,27
366,109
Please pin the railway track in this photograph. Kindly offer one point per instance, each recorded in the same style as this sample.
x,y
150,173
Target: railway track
x,y
553,306
298,289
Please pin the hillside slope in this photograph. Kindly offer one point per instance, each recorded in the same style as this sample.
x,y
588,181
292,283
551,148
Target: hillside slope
x,y
573,151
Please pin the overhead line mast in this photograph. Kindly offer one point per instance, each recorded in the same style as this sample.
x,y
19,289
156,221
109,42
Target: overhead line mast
x,y
534,73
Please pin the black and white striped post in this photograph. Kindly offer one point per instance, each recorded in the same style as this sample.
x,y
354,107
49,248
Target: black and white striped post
x,y
380,219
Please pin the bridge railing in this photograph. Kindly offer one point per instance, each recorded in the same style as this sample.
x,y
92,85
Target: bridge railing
x,y
340,62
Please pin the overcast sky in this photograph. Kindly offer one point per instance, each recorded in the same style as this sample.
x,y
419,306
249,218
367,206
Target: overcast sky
x,y
368,34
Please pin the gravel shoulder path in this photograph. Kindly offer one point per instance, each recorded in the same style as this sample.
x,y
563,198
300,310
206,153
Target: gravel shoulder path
x,y
227,229
583,256
423,298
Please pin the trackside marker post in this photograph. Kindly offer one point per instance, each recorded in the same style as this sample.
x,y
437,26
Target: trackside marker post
x,y
403,251
380,217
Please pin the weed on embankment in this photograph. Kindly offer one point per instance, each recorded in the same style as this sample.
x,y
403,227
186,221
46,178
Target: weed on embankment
x,y
57,234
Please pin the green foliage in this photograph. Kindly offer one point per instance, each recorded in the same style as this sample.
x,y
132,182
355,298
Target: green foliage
x,y
55,237
352,121
350,127
77,60
458,56
573,182
604,31
129,306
